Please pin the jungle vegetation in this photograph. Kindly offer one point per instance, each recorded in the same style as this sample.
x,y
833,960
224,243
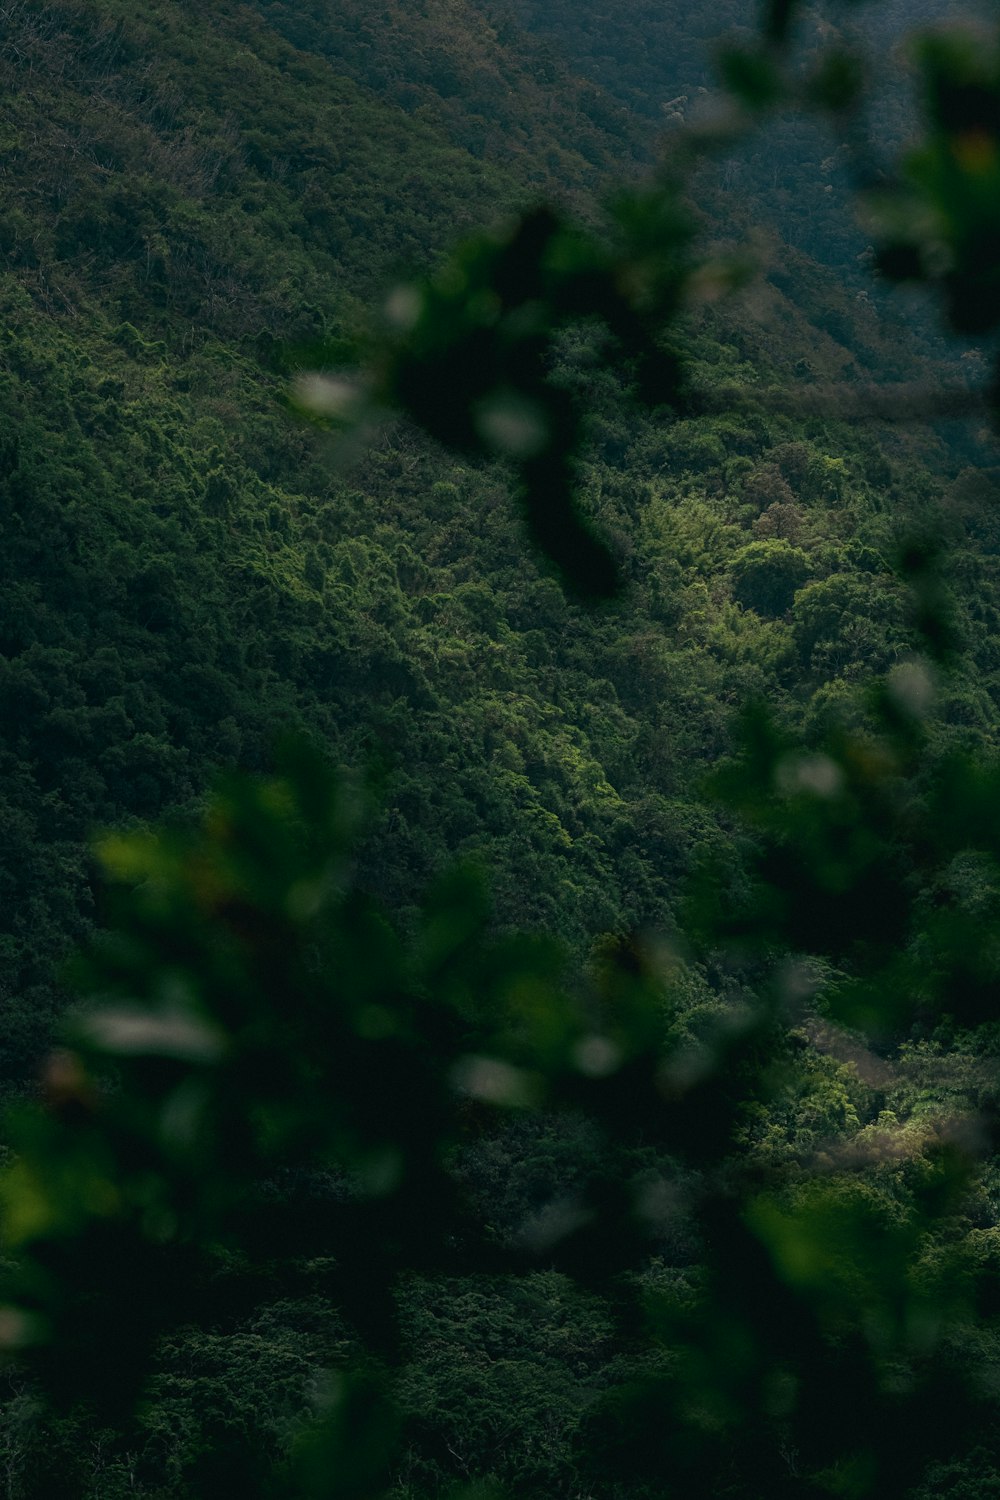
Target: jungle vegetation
x,y
498,777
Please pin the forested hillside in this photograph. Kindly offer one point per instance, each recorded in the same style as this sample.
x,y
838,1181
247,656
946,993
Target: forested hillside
x,y
201,203
187,571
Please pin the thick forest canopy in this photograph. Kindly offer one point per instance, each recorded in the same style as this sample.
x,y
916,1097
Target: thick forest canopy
x,y
594,1090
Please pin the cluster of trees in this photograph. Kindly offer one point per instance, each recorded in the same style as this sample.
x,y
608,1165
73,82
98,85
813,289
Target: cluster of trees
x,y
338,1186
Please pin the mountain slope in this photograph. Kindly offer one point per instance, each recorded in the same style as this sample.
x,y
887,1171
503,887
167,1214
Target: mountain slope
x,y
184,572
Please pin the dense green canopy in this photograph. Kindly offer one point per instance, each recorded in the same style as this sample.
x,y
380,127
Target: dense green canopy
x,y
532,860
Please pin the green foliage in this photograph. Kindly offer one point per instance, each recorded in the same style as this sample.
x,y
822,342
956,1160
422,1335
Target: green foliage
x,y
487,327
263,1028
693,1193
499,1379
768,574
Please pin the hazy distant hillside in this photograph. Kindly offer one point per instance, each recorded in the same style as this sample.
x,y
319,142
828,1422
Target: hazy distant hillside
x,y
662,61
649,52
